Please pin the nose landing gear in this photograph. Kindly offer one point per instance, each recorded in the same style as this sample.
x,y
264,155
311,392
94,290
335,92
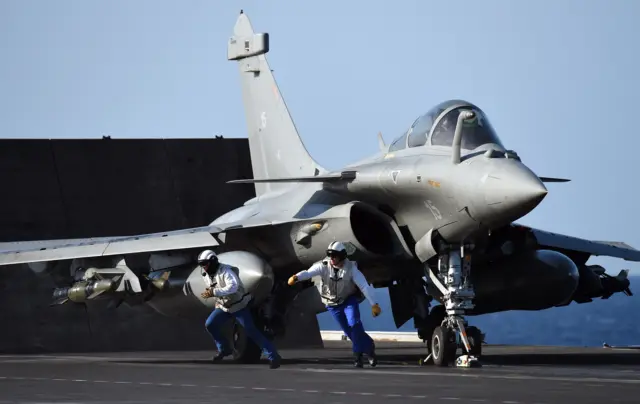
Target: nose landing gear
x,y
453,282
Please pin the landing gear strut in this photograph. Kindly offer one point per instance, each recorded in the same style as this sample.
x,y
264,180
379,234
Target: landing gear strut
x,y
453,281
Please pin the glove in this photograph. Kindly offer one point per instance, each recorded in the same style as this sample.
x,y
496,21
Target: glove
x,y
376,310
292,280
207,293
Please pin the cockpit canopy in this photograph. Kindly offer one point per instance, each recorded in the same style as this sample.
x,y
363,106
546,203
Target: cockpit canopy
x,y
437,128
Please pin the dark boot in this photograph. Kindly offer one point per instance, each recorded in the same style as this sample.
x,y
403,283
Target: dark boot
x,y
219,357
373,358
358,362
275,362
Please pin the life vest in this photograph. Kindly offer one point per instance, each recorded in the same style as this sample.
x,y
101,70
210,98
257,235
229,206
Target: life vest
x,y
235,301
337,283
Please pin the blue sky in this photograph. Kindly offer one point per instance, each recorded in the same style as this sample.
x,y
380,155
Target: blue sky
x,y
556,78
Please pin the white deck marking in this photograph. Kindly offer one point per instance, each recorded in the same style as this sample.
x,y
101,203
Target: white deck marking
x,y
255,388
514,376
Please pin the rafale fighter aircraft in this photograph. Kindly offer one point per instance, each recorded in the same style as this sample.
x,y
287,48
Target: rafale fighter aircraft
x,y
431,217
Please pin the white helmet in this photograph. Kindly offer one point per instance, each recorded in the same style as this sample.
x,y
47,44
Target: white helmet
x,y
207,257
337,249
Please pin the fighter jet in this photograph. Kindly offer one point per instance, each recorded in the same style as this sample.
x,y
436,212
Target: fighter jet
x,y
431,216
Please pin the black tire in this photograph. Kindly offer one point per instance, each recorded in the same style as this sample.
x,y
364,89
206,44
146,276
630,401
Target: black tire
x,y
244,349
443,346
434,319
475,341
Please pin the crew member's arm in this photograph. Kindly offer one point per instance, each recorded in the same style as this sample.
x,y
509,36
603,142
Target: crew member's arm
x,y
367,290
314,270
231,282
209,285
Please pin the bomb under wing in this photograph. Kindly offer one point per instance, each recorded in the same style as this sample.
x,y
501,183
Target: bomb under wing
x,y
82,291
93,283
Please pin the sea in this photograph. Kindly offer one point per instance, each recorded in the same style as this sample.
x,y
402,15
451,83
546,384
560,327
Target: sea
x,y
615,321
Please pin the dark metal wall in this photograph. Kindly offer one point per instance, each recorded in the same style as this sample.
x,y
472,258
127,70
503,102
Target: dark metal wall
x,y
107,187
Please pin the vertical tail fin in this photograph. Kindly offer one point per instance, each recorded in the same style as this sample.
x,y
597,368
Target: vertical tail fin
x,y
276,148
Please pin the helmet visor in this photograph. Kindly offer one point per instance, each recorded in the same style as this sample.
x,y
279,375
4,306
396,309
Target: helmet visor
x,y
337,254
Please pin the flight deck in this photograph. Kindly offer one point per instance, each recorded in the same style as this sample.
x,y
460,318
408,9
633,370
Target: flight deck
x,y
510,375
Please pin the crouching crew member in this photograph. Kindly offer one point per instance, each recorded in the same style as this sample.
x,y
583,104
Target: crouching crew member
x,y
341,280
231,301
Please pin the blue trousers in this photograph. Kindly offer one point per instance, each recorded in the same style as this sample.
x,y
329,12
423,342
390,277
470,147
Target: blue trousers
x,y
347,315
218,318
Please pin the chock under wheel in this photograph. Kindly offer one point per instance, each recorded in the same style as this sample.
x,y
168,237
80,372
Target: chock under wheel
x,y
467,361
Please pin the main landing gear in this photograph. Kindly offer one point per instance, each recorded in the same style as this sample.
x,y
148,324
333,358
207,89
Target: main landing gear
x,y
453,281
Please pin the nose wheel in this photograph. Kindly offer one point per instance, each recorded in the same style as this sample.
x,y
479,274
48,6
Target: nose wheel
x,y
443,346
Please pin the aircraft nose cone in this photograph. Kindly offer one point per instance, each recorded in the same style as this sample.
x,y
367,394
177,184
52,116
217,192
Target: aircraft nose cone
x,y
511,193
513,188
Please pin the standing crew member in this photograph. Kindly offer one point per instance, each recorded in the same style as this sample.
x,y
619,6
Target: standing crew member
x,y
232,300
341,280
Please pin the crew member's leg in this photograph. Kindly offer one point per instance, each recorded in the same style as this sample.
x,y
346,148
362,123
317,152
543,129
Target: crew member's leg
x,y
245,319
362,342
338,314
214,324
